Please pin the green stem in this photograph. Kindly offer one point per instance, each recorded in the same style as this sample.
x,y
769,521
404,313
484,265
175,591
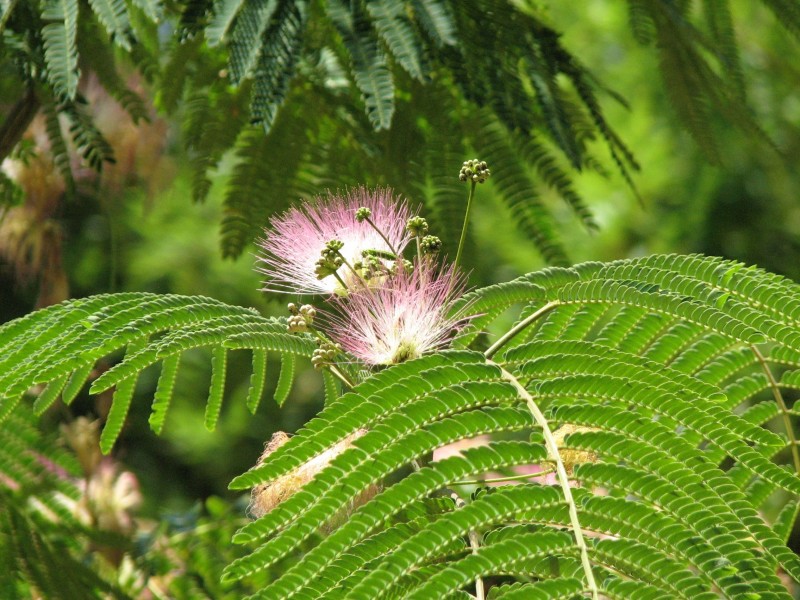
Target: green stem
x,y
504,479
519,327
561,472
466,221
474,543
349,266
340,280
385,239
333,368
776,393
342,377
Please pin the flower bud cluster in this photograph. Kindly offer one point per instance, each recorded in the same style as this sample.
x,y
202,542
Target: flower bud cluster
x,y
301,318
385,309
417,226
370,266
325,354
430,244
475,171
402,264
330,261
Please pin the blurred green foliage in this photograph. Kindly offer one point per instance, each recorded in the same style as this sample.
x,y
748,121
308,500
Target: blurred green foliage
x,y
743,208
142,239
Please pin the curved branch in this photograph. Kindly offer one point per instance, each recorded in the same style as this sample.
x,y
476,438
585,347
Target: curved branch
x,y
561,473
508,335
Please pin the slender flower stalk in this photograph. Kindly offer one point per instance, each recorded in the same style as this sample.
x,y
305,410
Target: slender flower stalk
x,y
363,214
405,317
466,223
474,171
295,240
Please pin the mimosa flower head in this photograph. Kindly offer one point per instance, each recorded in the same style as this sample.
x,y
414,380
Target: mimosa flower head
x,y
297,240
404,318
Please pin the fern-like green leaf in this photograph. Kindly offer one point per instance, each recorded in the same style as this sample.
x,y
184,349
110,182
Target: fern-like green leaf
x,y
395,30
285,379
370,68
224,13
257,380
219,361
437,20
120,403
248,29
76,382
518,192
59,33
113,14
48,395
163,394
281,43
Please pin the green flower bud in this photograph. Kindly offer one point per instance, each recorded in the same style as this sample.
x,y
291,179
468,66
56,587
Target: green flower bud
x,y
417,225
325,354
334,245
296,324
325,266
404,264
475,171
362,214
301,319
430,244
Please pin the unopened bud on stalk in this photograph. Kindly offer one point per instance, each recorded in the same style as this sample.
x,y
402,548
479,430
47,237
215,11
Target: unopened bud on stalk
x,y
362,214
325,354
430,244
475,171
417,226
301,319
330,259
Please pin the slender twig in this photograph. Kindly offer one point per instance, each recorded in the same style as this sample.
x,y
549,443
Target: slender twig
x,y
466,221
474,543
344,378
776,393
385,239
504,479
480,593
561,472
340,280
519,327
333,368
349,266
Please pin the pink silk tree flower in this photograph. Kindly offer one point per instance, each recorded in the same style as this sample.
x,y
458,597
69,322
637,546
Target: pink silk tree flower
x,y
295,240
404,318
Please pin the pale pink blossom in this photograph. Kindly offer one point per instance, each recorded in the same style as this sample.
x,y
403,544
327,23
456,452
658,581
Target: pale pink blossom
x,y
294,241
404,318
